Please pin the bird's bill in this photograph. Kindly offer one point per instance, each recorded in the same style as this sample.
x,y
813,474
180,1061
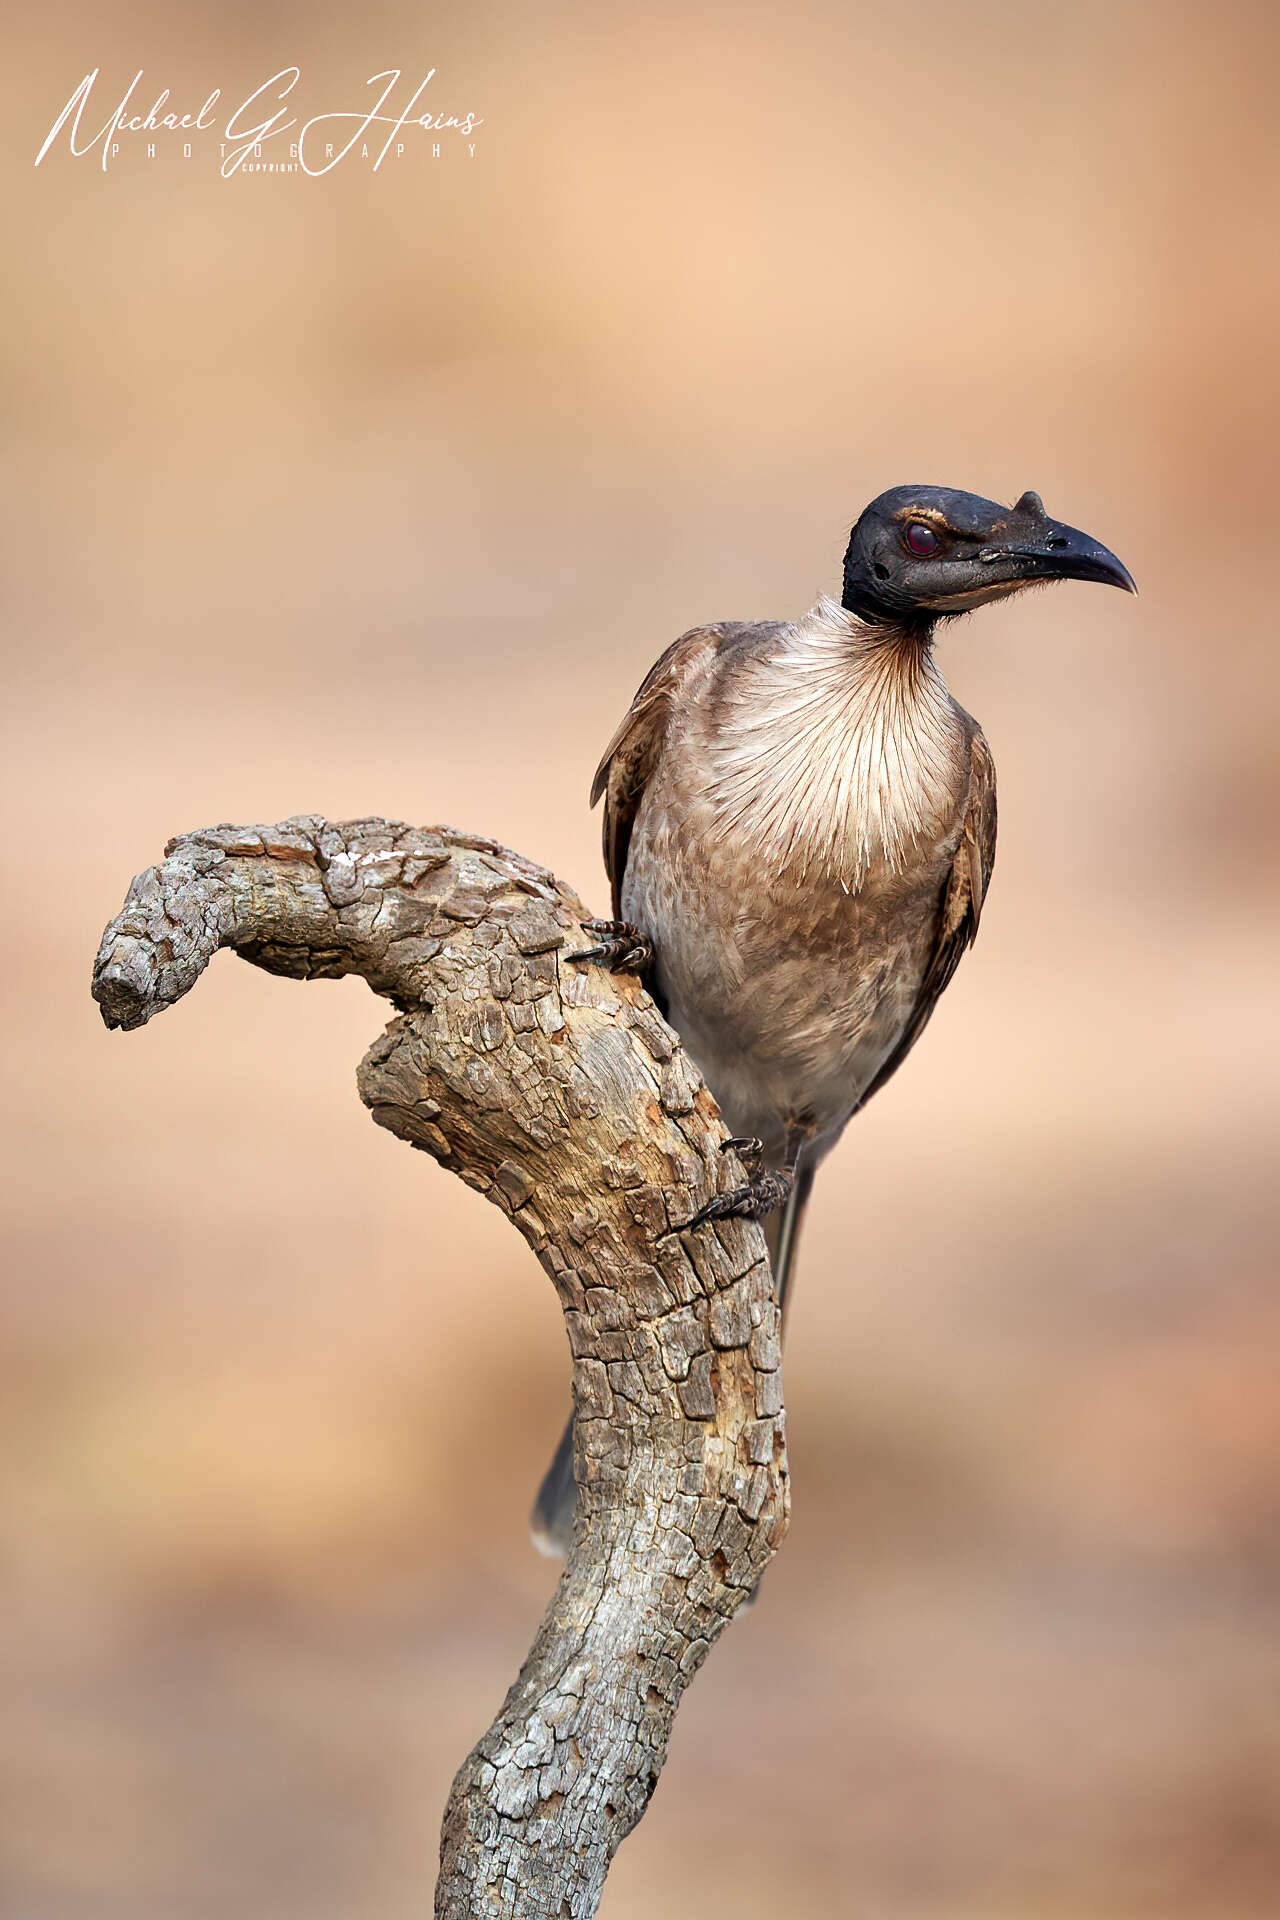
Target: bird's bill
x,y
1057,552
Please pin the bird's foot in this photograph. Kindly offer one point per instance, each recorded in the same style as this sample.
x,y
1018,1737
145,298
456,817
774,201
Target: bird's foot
x,y
766,1188
620,947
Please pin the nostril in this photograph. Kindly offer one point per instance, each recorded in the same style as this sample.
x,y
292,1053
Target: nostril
x,y
1058,540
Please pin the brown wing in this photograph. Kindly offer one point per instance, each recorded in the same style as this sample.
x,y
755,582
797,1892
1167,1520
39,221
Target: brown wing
x,y
960,904
634,751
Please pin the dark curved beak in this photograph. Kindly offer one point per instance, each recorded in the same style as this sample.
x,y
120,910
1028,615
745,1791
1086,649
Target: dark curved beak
x,y
1059,552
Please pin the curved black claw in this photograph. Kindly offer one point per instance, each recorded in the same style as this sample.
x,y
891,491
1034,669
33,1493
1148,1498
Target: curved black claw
x,y
766,1189
620,947
747,1147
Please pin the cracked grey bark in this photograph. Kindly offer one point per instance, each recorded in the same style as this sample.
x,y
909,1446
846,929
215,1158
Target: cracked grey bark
x,y
558,1092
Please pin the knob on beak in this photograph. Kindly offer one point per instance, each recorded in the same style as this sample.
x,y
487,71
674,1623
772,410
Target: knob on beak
x,y
1055,551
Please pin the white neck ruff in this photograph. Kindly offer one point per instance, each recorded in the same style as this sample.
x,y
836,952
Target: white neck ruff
x,y
838,750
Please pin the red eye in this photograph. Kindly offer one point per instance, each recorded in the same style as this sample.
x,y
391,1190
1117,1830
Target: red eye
x,y
921,539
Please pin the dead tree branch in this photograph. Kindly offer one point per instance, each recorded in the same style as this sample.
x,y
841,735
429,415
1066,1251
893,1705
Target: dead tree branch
x,y
558,1092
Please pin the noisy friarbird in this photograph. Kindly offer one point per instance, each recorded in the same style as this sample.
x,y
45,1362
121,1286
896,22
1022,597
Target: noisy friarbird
x,y
800,826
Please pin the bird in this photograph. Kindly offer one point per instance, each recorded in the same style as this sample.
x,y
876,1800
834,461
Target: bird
x,y
799,833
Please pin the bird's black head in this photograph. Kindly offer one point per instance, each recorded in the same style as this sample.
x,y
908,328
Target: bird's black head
x,y
918,553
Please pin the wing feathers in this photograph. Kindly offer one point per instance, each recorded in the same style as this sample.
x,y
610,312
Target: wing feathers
x,y
633,753
960,907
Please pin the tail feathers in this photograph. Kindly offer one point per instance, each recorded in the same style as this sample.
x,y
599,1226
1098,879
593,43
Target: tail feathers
x,y
551,1522
782,1233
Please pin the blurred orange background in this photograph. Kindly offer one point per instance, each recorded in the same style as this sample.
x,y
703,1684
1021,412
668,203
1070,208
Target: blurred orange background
x,y
379,493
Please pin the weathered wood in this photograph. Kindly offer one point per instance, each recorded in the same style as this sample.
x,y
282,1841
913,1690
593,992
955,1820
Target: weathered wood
x,y
558,1092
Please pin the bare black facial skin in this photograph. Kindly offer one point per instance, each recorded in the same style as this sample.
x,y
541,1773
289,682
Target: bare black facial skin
x,y
918,554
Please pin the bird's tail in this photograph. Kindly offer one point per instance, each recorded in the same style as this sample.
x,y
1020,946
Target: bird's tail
x,y
782,1232
551,1522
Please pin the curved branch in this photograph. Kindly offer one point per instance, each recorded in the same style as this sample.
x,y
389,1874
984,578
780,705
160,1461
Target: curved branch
x,y
559,1092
